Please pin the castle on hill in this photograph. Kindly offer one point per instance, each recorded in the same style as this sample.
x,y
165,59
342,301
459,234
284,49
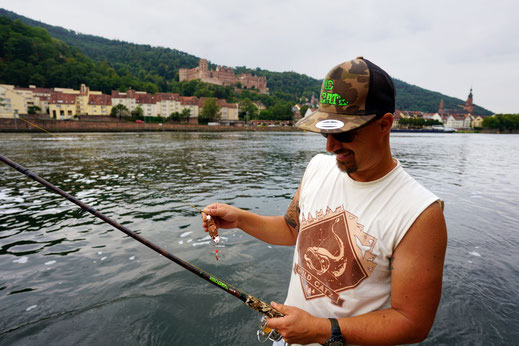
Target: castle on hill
x,y
223,76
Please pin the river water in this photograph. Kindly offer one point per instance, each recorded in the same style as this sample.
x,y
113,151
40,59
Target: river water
x,y
70,279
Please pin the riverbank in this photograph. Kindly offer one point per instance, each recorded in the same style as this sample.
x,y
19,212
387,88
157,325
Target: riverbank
x,y
36,124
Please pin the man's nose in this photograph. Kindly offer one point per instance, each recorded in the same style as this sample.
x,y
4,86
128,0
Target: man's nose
x,y
332,144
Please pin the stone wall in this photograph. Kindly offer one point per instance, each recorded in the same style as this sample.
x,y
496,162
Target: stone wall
x,y
18,125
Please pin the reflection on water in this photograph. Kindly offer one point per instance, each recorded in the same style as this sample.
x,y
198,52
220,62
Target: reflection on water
x,y
73,278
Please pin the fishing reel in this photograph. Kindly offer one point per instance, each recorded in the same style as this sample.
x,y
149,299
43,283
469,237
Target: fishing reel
x,y
265,333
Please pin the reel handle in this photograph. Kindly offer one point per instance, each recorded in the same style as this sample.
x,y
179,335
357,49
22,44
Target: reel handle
x,y
265,333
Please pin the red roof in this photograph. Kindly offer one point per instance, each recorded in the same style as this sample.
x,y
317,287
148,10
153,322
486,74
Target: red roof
x,y
58,98
100,100
130,94
167,96
189,100
145,98
459,116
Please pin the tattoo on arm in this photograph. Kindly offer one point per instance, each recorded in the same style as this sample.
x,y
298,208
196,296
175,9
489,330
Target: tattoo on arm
x,y
292,214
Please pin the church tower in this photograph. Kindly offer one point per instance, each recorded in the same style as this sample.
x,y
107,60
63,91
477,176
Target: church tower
x,y
469,106
440,109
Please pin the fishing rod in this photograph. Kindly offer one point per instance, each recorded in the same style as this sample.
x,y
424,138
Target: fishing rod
x,y
249,300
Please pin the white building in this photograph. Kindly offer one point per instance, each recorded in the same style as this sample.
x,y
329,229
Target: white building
x,y
459,121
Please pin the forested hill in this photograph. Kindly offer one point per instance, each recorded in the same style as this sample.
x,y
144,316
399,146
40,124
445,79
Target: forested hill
x,y
111,64
412,97
29,55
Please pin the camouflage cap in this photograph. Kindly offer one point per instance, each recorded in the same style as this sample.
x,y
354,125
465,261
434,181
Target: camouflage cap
x,y
353,93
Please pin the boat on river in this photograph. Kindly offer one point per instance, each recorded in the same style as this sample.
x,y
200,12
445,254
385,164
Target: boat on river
x,y
428,129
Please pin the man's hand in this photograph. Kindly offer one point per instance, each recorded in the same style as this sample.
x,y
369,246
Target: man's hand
x,y
224,216
270,229
298,326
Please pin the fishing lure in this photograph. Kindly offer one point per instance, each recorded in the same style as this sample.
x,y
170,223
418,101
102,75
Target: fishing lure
x,y
213,230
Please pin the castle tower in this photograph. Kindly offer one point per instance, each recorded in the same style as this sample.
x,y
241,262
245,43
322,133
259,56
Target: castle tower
x,y
440,109
204,64
469,106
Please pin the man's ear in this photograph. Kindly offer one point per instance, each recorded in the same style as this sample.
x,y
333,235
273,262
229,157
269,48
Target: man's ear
x,y
386,122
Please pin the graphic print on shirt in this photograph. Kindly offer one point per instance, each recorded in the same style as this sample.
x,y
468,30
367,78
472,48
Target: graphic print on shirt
x,y
334,254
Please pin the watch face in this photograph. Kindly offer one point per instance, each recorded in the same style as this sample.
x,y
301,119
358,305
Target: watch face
x,y
335,343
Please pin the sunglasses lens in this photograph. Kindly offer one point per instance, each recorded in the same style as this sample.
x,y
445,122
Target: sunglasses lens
x,y
343,137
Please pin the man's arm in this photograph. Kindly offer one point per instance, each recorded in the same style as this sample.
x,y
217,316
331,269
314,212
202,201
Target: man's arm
x,y
416,283
276,230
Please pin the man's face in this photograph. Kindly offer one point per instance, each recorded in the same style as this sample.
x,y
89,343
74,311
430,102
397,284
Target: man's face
x,y
345,156
360,155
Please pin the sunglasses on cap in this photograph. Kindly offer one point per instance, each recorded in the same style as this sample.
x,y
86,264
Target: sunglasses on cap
x,y
343,137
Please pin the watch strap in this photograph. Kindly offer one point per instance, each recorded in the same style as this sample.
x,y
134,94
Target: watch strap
x,y
336,339
336,329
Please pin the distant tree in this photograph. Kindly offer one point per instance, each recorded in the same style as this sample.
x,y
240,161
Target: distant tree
x,y
186,113
178,117
175,116
502,122
119,111
303,110
265,114
282,111
431,122
137,112
210,111
417,122
33,109
249,109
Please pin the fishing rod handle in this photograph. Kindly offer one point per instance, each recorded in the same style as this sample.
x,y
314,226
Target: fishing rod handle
x,y
264,308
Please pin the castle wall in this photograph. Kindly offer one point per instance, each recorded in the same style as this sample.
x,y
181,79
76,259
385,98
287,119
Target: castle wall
x,y
222,76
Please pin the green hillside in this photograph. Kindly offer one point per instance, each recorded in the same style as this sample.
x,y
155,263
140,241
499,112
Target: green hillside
x,y
412,97
29,55
108,65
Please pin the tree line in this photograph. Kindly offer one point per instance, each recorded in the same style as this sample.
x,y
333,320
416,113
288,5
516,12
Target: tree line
x,y
418,123
502,122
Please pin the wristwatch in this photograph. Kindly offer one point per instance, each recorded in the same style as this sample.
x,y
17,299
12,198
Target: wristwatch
x,y
336,339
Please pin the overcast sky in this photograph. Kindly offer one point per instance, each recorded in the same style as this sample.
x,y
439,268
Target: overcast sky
x,y
447,46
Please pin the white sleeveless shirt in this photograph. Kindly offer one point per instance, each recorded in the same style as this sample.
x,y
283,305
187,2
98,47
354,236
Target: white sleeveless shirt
x,y
349,230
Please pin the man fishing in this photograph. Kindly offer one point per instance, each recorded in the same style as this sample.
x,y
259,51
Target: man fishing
x,y
369,240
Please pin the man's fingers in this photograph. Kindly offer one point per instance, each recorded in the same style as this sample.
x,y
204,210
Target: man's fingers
x,y
211,209
275,322
278,307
